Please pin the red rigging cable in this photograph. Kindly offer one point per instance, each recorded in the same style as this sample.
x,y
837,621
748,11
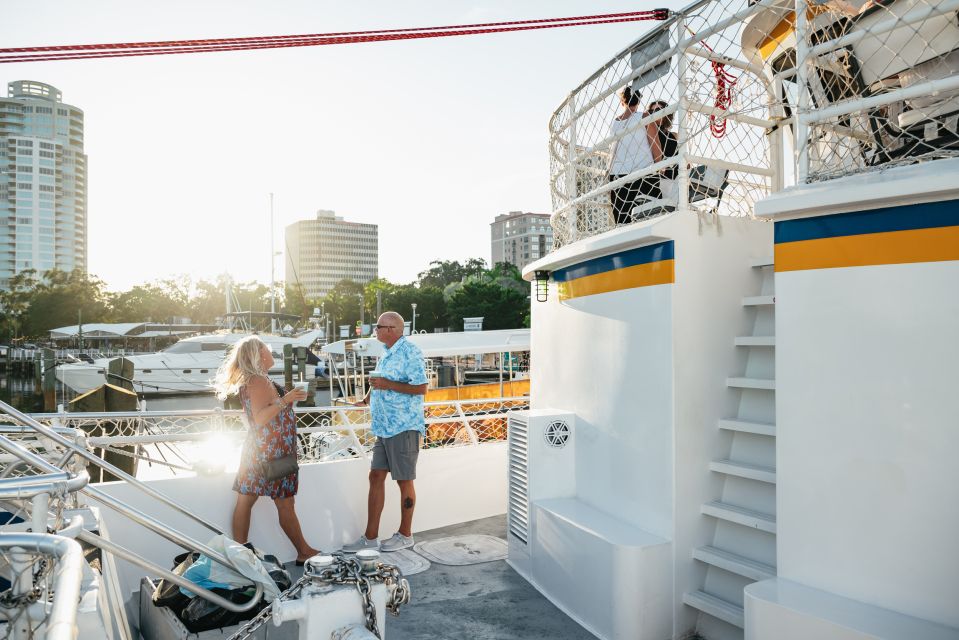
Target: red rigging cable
x,y
129,49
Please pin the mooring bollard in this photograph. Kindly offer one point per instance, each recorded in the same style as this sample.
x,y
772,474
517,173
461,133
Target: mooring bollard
x,y
49,380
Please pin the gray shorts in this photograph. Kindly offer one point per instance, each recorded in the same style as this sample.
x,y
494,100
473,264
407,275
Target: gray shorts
x,y
398,454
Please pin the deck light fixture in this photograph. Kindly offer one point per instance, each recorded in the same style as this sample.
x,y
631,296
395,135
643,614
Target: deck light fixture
x,y
541,283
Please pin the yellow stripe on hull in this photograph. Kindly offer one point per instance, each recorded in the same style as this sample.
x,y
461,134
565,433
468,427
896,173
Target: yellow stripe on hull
x,y
894,247
640,275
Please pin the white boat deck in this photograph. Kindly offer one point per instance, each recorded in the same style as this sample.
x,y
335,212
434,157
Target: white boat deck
x,y
487,601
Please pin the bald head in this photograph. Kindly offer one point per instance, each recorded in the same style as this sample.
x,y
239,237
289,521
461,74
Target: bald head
x,y
392,318
395,322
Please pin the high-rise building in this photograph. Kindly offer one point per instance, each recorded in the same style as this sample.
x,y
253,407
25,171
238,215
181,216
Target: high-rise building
x,y
43,182
327,249
520,238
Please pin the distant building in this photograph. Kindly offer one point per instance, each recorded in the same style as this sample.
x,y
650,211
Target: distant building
x,y
520,238
323,251
43,182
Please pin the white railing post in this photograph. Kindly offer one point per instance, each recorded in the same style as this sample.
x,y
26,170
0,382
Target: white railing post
x,y
474,439
38,517
572,217
682,108
802,81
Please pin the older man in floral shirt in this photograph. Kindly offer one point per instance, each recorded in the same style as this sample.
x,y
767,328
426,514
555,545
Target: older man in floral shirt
x,y
396,405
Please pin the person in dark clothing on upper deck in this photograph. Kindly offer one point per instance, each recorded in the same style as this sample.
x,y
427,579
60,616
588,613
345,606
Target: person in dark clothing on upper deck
x,y
668,142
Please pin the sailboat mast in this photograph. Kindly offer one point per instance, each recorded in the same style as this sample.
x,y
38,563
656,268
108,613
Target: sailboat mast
x,y
272,272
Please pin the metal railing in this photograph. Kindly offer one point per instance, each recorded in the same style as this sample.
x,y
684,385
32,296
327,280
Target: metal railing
x,y
728,135
882,85
30,494
326,433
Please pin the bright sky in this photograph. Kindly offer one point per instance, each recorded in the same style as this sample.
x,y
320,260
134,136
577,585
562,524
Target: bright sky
x,y
428,139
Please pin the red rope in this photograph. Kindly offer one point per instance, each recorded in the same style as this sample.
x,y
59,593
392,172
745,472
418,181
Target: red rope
x,y
128,49
725,82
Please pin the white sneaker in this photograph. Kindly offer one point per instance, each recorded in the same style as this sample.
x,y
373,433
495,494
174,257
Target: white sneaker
x,y
397,542
359,545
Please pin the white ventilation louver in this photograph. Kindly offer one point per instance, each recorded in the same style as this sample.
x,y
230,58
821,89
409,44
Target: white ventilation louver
x,y
518,475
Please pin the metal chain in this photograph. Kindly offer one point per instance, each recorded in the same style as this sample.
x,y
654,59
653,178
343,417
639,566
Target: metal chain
x,y
345,570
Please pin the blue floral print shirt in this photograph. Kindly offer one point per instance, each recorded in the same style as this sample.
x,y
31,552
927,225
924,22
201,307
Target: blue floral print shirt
x,y
394,412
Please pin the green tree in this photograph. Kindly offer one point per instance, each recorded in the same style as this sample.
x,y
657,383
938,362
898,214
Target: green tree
x,y
148,302
14,302
501,307
343,302
58,298
442,273
430,306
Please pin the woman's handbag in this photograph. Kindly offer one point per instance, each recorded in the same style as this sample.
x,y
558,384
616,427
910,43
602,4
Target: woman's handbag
x,y
279,467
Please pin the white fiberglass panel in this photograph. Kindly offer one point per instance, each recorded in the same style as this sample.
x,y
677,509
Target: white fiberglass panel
x,y
608,358
867,437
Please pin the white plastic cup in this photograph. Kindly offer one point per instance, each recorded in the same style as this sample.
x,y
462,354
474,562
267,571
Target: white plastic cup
x,y
304,386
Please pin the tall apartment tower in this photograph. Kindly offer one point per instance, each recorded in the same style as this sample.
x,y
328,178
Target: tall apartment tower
x,y
327,249
520,238
43,182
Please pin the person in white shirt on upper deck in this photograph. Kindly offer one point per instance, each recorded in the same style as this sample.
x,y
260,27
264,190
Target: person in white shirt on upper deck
x,y
637,149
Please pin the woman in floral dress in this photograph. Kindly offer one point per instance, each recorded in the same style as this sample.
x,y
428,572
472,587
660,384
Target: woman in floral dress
x,y
271,435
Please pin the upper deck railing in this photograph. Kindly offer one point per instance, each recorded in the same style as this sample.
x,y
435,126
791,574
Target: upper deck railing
x,y
878,87
882,81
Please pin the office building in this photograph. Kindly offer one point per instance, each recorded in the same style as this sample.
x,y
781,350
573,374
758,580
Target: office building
x,y
43,182
520,238
327,249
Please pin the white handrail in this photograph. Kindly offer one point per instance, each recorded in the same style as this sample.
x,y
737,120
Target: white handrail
x,y
62,622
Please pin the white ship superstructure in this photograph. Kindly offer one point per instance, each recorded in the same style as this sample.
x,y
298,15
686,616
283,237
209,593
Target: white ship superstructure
x,y
770,450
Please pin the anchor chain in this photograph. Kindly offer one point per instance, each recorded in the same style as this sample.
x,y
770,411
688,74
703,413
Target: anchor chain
x,y
344,570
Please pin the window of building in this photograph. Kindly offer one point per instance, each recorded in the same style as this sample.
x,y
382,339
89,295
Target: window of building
x,y
24,185
47,154
45,110
47,172
24,143
47,145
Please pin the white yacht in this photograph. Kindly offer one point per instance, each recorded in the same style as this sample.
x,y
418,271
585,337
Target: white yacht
x,y
742,419
187,366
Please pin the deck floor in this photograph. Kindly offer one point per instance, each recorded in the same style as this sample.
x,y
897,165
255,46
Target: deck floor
x,y
487,601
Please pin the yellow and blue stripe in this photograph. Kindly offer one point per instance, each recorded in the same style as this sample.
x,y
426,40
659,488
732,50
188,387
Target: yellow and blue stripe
x,y
896,235
640,267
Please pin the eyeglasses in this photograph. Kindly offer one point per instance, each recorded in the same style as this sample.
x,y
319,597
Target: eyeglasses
x,y
382,326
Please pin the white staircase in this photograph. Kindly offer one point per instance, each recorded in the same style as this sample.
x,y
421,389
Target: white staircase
x,y
743,548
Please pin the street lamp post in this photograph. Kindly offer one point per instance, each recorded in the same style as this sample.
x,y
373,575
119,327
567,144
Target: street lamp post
x,y
413,326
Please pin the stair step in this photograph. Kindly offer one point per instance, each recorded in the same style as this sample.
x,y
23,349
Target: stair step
x,y
743,470
751,383
759,428
734,563
716,607
740,515
758,301
762,261
755,341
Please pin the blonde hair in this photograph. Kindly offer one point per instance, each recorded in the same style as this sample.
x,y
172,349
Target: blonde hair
x,y
242,363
